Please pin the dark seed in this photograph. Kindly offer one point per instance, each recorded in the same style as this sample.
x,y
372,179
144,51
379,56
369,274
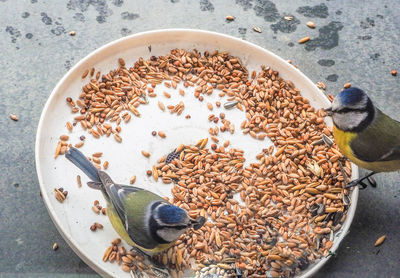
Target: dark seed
x,y
321,209
170,157
303,263
337,217
314,210
328,141
329,217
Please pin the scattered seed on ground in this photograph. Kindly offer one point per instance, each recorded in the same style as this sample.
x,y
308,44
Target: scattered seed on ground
x,y
305,39
14,117
257,29
55,246
380,240
311,24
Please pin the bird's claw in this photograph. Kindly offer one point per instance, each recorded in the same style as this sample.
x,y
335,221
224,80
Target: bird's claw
x,y
356,182
362,184
372,181
158,269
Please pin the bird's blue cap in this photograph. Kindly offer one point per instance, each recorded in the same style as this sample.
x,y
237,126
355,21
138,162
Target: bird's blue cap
x,y
351,96
170,214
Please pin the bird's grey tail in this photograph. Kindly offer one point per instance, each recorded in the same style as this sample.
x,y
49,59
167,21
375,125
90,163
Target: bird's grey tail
x,y
80,160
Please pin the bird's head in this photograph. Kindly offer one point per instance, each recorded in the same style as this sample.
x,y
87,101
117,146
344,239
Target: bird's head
x,y
169,222
352,110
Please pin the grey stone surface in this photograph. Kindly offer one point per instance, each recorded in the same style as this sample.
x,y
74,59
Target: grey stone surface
x,y
355,41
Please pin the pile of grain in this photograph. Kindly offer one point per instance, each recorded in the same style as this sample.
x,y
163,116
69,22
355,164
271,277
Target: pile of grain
x,y
291,201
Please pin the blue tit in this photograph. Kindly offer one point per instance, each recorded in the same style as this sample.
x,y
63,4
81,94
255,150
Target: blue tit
x,y
143,219
367,136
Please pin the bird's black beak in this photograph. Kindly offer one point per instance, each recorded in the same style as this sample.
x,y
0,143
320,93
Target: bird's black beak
x,y
198,223
328,111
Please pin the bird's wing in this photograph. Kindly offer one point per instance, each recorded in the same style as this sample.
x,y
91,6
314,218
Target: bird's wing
x,y
393,154
378,142
131,204
139,208
116,194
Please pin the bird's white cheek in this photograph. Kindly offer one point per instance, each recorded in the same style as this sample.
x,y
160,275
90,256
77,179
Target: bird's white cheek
x,y
169,234
349,120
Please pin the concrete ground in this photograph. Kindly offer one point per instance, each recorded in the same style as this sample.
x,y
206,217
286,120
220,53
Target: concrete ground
x,y
354,41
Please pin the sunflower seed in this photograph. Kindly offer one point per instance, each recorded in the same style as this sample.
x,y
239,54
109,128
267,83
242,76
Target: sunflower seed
x,y
230,104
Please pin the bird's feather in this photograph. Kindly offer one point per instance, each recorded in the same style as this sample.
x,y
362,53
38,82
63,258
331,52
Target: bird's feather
x,y
138,224
130,204
95,185
80,160
383,134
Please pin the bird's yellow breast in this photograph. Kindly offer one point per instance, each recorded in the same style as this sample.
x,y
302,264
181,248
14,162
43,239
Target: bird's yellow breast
x,y
343,140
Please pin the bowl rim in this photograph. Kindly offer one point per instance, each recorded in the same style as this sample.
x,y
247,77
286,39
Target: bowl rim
x,y
73,244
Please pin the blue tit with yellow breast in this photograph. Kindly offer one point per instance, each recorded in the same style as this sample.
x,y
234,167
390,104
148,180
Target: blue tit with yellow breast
x,y
143,219
365,135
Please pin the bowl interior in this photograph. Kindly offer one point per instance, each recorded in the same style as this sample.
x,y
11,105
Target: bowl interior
x,y
74,217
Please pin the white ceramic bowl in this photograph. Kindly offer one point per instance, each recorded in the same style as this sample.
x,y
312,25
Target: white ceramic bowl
x,y
74,217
